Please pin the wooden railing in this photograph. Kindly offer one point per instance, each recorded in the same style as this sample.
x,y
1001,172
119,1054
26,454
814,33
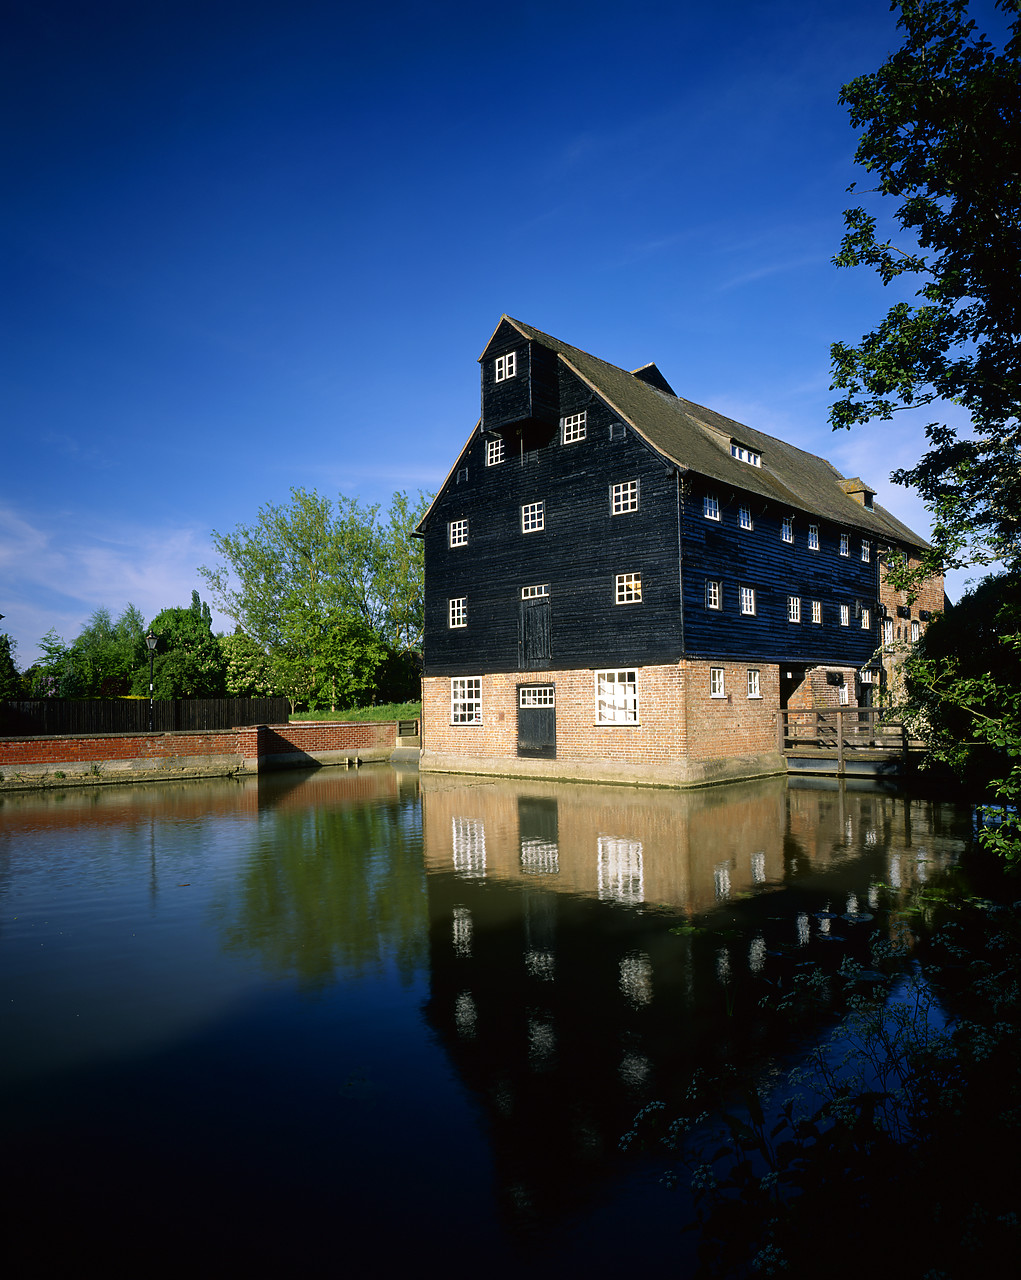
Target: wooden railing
x,y
842,729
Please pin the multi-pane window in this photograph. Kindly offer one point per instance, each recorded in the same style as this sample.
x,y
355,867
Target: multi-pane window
x,y
534,593
744,517
787,529
623,497
866,550
496,451
844,694
466,700
713,593
533,517
817,611
813,537
457,533
575,426
845,615
629,588
711,506
915,630
716,685
458,611
745,455
793,608
748,600
536,695
845,545
754,689
506,366
866,619
616,697
887,631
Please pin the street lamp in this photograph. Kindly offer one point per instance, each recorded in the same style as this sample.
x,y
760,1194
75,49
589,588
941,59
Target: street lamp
x,y
150,641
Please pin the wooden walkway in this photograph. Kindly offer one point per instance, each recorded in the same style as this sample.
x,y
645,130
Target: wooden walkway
x,y
848,740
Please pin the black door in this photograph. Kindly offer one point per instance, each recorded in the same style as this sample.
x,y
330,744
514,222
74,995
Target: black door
x,y
537,721
535,629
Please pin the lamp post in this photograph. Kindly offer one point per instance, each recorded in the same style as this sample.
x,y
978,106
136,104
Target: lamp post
x,y
150,641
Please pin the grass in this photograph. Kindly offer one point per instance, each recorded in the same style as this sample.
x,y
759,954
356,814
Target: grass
x,y
383,711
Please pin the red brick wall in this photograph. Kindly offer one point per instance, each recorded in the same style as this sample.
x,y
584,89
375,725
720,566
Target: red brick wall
x,y
930,597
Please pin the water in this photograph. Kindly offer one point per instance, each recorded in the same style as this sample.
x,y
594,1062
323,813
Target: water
x,y
273,1022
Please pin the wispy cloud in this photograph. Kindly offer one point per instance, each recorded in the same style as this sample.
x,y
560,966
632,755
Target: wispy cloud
x,y
771,269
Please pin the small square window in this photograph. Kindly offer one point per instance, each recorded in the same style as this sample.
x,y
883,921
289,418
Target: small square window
x,y
787,529
616,697
506,366
458,611
496,451
711,506
813,537
793,608
845,545
466,700
629,588
575,427
623,497
713,593
533,517
866,550
716,685
754,690
845,615
817,611
866,619
744,516
457,533
747,600
535,593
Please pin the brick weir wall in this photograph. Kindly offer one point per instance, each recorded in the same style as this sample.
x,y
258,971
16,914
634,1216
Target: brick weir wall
x,y
194,752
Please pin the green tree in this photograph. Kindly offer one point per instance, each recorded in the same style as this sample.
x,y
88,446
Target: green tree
x,y
189,662
103,657
10,681
940,129
248,668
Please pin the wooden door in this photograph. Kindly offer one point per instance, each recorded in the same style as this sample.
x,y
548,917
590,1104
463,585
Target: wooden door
x,y
535,635
537,721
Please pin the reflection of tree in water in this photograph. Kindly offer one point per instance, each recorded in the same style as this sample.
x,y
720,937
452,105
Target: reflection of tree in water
x,y
328,889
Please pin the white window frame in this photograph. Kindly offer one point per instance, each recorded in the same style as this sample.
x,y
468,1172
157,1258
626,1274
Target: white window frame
x,y
887,631
744,454
628,588
787,529
536,695
536,592
844,694
457,612
845,615
466,700
793,608
457,533
711,506
916,631
496,451
813,537
506,366
717,682
713,593
845,544
748,602
744,518
817,611
616,697
624,497
866,619
866,551
574,427
533,516
754,683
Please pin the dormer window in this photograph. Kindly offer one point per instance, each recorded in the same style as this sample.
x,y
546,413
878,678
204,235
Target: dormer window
x,y
506,366
744,454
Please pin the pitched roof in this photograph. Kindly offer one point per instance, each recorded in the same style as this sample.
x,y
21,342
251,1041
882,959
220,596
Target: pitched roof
x,y
698,439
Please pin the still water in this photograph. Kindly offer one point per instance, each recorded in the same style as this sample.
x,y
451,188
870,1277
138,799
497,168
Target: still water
x,y
315,1017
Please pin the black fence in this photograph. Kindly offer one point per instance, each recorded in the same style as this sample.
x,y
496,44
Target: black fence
x,y
131,715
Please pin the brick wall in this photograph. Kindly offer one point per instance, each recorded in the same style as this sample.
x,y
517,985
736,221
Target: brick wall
x,y
930,598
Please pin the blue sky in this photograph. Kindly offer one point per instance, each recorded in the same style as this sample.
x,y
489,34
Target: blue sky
x,y
250,246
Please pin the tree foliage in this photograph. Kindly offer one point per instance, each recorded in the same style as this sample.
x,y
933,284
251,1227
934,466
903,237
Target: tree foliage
x,y
189,662
10,681
940,129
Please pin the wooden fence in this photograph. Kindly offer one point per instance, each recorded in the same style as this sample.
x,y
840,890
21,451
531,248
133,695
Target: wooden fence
x,y
53,716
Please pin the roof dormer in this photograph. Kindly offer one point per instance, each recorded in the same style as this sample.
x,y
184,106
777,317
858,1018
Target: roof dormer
x,y
520,394
859,491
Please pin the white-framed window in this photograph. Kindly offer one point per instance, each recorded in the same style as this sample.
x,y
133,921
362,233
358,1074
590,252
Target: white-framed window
x,y
575,427
754,687
744,454
744,517
787,529
866,550
457,533
793,608
747,600
506,366
845,545
813,537
915,630
623,497
844,694
629,588
496,451
533,517
616,697
887,631
457,615
711,506
536,695
817,611
717,688
845,615
713,593
534,593
866,619
466,700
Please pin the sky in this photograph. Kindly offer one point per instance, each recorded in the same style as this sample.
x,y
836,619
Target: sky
x,y
254,246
